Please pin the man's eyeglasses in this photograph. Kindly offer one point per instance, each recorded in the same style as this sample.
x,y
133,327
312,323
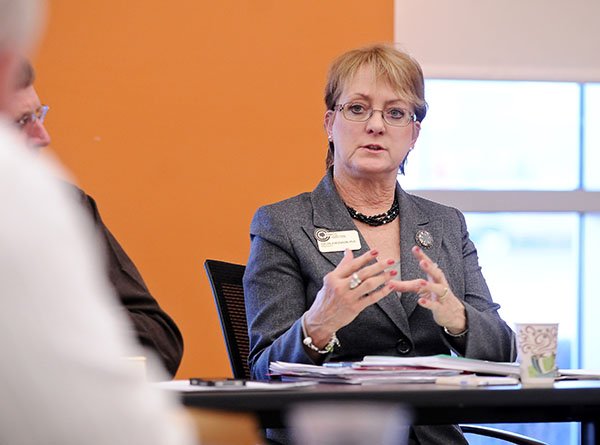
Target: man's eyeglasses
x,y
32,118
358,112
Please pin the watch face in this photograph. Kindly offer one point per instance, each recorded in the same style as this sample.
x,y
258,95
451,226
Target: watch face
x,y
424,239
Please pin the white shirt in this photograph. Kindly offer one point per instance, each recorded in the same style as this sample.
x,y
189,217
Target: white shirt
x,y
63,379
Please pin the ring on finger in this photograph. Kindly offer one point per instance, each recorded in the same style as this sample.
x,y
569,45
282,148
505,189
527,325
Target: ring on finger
x,y
444,295
354,281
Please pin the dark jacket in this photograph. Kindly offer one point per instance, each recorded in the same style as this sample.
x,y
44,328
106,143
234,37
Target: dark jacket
x,y
153,327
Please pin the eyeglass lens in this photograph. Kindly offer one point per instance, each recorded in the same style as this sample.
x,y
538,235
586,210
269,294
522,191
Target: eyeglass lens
x,y
37,115
358,112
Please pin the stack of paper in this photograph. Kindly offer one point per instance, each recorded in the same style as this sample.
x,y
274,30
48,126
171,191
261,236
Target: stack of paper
x,y
579,374
444,362
441,369
356,373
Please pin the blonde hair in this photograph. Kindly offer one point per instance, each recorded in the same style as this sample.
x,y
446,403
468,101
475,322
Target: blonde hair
x,y
395,67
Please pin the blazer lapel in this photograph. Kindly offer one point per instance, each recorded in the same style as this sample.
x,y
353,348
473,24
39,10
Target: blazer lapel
x,y
412,220
329,212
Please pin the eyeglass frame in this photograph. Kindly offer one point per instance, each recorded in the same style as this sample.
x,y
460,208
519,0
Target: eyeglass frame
x,y
33,117
342,108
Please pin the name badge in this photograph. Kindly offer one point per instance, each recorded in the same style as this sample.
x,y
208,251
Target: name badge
x,y
337,241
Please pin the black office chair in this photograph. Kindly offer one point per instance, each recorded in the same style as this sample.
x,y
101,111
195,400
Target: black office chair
x,y
228,290
226,283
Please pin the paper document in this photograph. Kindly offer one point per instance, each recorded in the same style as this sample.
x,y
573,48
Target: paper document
x,y
476,380
445,362
362,380
356,373
579,374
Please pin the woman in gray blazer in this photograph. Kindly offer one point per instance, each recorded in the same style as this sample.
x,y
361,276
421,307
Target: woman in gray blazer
x,y
360,267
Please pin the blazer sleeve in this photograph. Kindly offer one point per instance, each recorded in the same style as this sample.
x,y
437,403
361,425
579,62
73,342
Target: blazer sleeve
x,y
154,328
489,337
275,295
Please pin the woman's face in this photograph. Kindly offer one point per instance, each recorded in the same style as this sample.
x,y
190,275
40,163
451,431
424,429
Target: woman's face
x,y
373,147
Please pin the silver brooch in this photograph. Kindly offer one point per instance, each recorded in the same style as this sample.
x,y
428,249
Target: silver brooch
x,y
424,239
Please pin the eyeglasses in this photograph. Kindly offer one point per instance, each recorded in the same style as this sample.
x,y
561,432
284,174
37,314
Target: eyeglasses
x,y
394,116
32,118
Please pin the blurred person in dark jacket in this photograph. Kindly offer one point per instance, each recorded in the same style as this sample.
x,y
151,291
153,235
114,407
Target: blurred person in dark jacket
x,y
153,326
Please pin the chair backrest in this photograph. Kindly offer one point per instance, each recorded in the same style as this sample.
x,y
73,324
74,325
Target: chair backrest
x,y
228,290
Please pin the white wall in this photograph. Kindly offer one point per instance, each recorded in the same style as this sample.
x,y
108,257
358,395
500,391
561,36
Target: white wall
x,y
510,39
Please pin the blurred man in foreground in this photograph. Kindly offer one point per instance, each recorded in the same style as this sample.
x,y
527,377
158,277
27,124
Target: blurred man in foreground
x,y
63,379
153,327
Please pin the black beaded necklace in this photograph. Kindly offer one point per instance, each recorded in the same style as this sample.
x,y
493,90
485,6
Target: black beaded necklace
x,y
376,220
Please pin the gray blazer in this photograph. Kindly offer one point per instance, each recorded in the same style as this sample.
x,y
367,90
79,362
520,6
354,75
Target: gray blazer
x,y
286,269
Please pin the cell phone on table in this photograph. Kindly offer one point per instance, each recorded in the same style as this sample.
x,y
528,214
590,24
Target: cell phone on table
x,y
197,381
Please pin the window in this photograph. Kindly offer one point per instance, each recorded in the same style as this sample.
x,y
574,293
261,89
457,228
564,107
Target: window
x,y
518,158
591,101
498,135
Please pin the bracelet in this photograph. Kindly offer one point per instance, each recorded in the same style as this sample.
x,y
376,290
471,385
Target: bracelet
x,y
329,347
460,334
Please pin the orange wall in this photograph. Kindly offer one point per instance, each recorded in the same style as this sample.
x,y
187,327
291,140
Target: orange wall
x,y
182,117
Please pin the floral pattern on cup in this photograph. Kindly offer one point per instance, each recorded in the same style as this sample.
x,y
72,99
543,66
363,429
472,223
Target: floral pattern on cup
x,y
539,342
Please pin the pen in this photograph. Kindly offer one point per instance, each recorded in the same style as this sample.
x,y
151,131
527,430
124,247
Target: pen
x,y
338,364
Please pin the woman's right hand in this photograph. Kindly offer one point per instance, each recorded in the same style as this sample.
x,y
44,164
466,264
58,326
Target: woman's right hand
x,y
340,300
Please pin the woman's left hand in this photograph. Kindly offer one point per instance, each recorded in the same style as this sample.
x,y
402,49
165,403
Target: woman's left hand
x,y
435,294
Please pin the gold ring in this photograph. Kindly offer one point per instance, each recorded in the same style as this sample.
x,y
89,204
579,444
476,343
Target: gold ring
x,y
441,297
